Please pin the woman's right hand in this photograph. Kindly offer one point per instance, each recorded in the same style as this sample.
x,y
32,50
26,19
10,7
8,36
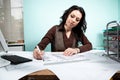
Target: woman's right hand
x,y
38,54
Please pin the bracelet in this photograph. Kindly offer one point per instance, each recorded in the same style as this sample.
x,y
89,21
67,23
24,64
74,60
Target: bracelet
x,y
78,50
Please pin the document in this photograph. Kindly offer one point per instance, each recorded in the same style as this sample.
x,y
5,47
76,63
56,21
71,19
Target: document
x,y
58,57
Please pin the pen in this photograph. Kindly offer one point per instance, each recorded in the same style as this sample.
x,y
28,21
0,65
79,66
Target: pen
x,y
39,51
38,48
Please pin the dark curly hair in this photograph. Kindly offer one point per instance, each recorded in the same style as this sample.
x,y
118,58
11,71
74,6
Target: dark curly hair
x,y
82,25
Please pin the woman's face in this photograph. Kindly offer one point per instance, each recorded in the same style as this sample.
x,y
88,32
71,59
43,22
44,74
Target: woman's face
x,y
73,19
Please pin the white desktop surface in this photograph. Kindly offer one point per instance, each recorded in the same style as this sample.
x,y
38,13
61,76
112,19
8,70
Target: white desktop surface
x,y
97,67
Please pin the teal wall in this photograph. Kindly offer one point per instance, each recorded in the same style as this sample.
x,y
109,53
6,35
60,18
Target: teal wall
x,y
41,15
119,10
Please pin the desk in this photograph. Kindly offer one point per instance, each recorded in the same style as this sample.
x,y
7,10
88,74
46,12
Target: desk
x,y
98,67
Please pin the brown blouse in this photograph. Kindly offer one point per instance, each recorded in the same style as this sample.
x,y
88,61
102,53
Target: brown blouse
x,y
68,42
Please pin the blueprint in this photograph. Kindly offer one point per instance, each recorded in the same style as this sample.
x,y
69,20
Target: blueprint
x,y
58,57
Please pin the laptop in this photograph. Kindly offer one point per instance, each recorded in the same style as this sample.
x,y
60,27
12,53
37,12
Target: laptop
x,y
5,58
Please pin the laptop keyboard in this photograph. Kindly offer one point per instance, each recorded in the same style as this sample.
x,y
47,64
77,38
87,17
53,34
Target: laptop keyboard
x,y
14,59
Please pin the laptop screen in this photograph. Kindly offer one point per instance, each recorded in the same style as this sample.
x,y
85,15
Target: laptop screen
x,y
3,44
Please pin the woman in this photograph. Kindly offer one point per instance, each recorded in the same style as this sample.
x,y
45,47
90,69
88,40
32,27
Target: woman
x,y
67,35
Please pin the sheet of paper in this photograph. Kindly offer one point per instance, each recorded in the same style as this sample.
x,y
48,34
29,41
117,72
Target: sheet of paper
x,y
58,57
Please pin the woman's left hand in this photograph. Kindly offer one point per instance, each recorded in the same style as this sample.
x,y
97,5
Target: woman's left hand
x,y
70,51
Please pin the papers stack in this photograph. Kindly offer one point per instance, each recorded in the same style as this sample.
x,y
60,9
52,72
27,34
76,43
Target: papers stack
x,y
58,57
